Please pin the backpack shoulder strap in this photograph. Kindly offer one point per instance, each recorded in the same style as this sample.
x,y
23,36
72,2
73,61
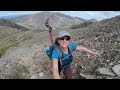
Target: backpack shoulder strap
x,y
70,48
51,47
59,51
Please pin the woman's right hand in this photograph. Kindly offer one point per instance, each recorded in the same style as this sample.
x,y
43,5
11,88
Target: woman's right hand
x,y
55,69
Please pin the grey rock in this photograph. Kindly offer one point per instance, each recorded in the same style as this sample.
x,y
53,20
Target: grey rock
x,y
87,76
41,74
116,69
106,71
111,64
35,76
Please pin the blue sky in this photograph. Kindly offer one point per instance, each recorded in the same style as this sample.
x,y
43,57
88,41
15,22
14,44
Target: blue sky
x,y
99,15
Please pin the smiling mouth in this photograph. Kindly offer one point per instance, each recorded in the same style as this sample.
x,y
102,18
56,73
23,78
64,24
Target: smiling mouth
x,y
64,44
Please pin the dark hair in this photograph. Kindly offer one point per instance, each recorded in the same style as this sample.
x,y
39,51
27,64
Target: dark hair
x,y
56,41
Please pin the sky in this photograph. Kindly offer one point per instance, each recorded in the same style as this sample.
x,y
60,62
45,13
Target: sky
x,y
99,15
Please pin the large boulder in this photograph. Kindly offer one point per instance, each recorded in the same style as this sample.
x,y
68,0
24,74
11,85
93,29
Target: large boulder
x,y
116,69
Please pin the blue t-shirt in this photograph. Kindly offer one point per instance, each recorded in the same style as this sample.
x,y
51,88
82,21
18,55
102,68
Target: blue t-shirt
x,y
55,54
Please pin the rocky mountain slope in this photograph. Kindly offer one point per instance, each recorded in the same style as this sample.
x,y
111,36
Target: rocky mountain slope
x,y
27,59
102,37
8,23
11,34
84,24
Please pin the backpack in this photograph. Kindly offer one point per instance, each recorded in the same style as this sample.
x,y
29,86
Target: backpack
x,y
59,51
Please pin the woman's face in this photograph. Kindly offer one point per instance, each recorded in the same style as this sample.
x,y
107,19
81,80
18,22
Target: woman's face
x,y
64,41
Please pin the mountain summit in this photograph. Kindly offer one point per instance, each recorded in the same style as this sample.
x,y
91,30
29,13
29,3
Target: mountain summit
x,y
56,20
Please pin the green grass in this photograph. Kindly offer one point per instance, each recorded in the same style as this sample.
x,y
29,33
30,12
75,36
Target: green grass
x,y
3,50
29,46
13,43
75,60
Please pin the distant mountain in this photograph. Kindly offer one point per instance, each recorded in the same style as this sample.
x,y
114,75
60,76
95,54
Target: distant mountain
x,y
56,20
84,24
82,20
22,53
108,22
93,20
93,23
6,22
111,20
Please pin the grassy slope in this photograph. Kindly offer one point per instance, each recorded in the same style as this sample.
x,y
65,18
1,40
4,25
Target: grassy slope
x,y
10,37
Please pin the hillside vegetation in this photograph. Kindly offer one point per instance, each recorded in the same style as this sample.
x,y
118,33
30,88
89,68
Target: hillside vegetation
x,y
22,52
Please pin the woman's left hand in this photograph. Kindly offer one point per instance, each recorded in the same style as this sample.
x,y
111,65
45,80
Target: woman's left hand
x,y
95,54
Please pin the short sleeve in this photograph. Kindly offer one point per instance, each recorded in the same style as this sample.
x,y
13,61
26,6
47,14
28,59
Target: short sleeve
x,y
54,54
74,47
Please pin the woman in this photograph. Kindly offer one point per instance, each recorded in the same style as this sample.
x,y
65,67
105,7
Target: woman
x,y
63,40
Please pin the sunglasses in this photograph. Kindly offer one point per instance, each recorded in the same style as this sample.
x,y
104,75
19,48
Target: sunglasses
x,y
66,37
